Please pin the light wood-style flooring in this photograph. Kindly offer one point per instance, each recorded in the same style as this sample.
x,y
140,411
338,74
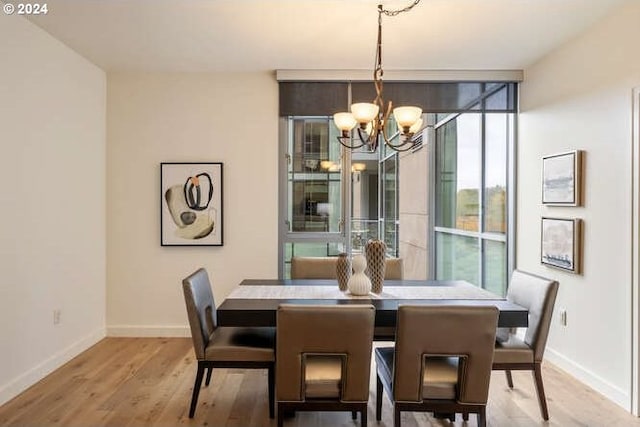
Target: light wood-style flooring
x,y
148,382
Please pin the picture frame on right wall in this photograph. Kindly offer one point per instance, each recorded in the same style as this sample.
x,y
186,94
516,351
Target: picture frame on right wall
x,y
562,179
561,243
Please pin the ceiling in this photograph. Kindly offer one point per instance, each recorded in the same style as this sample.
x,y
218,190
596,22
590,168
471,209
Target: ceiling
x,y
248,35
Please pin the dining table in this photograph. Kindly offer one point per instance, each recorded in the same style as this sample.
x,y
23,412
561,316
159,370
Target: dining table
x,y
255,302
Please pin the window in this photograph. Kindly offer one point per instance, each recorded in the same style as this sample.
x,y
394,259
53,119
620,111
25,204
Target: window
x,y
327,208
390,194
314,199
471,188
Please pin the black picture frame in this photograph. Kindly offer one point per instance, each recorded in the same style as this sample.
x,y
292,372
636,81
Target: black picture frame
x,y
191,204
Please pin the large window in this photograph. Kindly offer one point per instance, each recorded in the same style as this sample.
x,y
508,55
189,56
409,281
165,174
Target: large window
x,y
333,200
471,185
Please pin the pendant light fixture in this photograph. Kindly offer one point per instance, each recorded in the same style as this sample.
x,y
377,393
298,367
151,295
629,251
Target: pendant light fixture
x,y
371,119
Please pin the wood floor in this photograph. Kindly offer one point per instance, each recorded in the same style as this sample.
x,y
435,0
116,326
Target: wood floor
x,y
148,382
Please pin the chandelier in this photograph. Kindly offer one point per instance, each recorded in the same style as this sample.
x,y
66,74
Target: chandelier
x,y
371,119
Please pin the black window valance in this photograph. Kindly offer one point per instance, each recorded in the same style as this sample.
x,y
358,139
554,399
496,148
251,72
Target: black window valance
x,y
327,98
313,98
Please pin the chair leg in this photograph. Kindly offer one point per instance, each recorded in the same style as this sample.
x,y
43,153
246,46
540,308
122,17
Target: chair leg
x,y
396,416
354,415
537,374
509,378
280,416
378,398
465,416
196,389
208,380
363,417
482,417
272,388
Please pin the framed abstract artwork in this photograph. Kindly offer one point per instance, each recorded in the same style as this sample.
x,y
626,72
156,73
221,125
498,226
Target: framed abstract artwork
x,y
562,179
191,204
561,243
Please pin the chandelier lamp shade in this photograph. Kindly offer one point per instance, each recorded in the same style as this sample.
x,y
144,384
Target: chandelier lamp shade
x,y
371,119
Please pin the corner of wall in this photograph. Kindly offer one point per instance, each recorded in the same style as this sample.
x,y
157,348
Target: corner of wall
x,y
27,379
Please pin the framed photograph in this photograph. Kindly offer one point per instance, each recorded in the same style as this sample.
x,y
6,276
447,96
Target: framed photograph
x,y
562,179
561,245
191,204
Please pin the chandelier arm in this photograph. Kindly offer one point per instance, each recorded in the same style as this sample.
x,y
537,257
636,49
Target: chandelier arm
x,y
405,146
397,147
407,140
350,146
408,143
372,139
385,121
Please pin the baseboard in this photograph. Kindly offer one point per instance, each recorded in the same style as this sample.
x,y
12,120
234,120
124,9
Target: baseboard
x,y
148,331
602,386
21,383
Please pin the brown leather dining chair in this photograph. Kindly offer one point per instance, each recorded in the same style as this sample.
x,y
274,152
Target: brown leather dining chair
x,y
394,269
323,358
223,347
441,361
313,267
538,295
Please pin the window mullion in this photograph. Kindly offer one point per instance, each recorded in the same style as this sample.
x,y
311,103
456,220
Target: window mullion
x,y
481,199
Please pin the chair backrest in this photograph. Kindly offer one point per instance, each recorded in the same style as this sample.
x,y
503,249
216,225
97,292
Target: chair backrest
x,y
463,331
313,267
325,268
538,295
344,330
394,269
201,309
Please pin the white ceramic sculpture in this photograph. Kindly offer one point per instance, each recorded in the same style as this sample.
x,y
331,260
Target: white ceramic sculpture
x,y
359,283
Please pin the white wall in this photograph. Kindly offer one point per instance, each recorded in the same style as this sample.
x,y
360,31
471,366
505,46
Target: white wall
x,y
52,207
579,97
153,118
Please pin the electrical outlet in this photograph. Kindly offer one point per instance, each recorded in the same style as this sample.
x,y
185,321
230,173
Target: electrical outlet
x,y
563,317
56,316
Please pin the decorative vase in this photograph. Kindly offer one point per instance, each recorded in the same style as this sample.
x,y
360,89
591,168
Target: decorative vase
x,y
359,283
343,271
375,250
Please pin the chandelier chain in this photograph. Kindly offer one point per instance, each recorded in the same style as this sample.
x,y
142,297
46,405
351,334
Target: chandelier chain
x,y
399,11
